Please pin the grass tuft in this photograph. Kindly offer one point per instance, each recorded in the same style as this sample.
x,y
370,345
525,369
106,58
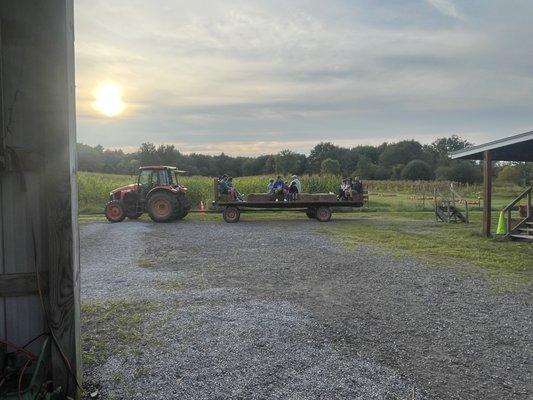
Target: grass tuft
x,y
144,263
113,328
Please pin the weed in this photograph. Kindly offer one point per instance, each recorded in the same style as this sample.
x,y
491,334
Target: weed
x,y
144,263
113,328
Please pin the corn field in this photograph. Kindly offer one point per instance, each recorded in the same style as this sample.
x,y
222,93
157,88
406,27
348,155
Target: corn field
x,y
94,188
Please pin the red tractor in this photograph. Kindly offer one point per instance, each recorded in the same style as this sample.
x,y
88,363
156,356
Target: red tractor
x,y
157,192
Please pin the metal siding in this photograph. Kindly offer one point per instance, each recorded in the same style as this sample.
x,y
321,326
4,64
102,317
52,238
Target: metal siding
x,y
18,209
23,319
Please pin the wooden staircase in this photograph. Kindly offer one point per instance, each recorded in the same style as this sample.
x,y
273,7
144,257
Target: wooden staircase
x,y
449,213
523,230
446,209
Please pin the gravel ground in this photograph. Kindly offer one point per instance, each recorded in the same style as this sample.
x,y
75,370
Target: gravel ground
x,y
279,310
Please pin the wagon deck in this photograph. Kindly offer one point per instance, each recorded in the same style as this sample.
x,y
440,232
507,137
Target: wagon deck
x,y
319,209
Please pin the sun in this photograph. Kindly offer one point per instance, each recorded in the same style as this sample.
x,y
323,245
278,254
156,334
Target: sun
x,y
108,99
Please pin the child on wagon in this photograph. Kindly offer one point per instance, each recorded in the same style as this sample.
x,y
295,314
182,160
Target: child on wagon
x,y
295,187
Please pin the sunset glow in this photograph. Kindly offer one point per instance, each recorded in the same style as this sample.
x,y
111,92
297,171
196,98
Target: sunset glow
x,y
108,99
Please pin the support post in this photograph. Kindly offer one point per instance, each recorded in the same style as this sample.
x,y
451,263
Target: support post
x,y
487,192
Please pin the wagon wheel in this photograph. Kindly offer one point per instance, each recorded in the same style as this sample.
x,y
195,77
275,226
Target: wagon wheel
x,y
163,207
114,212
323,214
231,214
311,213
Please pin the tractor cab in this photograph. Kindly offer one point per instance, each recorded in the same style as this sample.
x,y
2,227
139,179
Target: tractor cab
x,y
159,176
156,192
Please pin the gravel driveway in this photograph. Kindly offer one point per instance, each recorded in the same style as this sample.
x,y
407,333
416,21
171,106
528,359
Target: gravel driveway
x,y
282,310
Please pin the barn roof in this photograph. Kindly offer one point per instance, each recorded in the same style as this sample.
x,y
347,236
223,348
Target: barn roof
x,y
513,148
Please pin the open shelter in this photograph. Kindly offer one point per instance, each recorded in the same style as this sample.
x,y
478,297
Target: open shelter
x,y
513,148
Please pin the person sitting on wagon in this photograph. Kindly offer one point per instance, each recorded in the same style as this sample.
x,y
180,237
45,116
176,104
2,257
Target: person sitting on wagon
x,y
357,186
223,188
270,186
278,192
234,193
295,187
344,190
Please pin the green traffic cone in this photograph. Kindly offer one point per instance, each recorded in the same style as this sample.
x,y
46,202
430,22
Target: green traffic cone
x,y
502,226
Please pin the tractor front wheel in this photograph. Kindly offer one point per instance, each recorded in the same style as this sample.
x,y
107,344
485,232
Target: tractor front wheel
x,y
114,212
163,207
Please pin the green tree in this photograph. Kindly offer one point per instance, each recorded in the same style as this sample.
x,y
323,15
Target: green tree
x,y
134,165
459,171
510,174
401,153
270,165
148,154
417,170
330,166
444,146
365,168
90,158
167,154
287,161
321,152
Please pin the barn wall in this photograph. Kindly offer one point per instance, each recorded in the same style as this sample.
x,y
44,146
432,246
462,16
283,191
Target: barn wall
x,y
38,186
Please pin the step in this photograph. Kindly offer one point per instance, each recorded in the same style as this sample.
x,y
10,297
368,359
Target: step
x,y
524,237
525,229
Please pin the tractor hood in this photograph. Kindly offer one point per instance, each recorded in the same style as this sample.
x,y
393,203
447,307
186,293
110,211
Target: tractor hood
x,y
126,188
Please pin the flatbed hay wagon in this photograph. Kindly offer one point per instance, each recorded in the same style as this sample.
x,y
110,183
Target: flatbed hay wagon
x,y
319,206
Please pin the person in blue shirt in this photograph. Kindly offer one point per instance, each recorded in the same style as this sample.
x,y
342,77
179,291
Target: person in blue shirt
x,y
278,189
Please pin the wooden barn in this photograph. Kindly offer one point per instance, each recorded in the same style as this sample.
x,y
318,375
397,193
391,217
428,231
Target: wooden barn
x,y
39,271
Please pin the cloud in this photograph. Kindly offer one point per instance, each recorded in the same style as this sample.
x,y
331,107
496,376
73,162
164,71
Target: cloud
x,y
446,7
346,71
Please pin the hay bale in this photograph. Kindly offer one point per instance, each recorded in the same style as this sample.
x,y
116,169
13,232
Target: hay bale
x,y
312,197
302,197
258,197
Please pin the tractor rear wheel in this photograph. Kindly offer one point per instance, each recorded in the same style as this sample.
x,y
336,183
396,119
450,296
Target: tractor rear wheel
x,y
323,214
231,214
114,212
163,207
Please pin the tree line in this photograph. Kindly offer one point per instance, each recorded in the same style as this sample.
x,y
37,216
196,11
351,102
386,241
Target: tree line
x,y
406,159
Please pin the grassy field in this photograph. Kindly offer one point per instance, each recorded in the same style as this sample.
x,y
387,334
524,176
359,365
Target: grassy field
x,y
94,191
417,234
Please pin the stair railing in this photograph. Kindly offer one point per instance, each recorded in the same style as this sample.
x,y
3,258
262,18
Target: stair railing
x,y
448,203
439,197
509,207
461,200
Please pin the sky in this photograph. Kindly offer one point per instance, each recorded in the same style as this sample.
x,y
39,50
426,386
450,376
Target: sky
x,y
249,77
